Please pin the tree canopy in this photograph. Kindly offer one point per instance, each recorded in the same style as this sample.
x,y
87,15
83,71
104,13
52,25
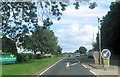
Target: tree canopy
x,y
81,50
19,19
22,17
110,29
43,40
8,45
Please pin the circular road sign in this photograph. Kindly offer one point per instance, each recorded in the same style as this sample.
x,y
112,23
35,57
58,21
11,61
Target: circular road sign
x,y
106,53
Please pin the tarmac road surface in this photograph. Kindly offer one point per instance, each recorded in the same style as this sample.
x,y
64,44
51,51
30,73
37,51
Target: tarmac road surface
x,y
69,66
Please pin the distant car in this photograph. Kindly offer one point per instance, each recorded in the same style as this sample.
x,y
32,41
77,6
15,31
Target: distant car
x,y
90,54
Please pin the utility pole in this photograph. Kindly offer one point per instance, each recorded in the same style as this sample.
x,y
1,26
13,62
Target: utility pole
x,y
100,59
93,43
93,38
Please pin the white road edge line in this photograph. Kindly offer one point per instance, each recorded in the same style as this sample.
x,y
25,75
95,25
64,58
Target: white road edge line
x,y
49,68
84,66
93,72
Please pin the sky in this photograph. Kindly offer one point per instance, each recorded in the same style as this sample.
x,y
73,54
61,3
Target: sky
x,y
77,27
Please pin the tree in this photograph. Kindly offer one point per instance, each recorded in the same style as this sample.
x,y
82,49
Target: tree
x,y
82,50
110,28
96,44
21,18
8,45
59,50
77,51
42,40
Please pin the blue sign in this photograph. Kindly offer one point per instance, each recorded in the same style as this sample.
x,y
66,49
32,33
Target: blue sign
x,y
6,59
105,54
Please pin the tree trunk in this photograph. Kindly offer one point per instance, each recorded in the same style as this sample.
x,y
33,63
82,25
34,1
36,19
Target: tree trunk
x,y
34,51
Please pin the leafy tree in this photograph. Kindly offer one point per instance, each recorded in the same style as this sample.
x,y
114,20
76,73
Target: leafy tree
x,y
59,50
21,18
16,15
42,40
77,51
8,45
110,28
95,46
82,50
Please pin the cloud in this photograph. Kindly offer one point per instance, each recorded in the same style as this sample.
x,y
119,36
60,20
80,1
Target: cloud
x,y
70,15
76,35
76,27
61,30
105,2
84,11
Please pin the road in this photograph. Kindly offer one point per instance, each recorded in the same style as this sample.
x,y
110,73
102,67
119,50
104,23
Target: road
x,y
75,68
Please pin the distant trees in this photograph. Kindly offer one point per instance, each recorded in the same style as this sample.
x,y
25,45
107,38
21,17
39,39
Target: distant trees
x,y
59,50
110,29
81,50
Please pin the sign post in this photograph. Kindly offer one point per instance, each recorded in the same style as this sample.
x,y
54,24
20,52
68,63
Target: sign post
x,y
106,57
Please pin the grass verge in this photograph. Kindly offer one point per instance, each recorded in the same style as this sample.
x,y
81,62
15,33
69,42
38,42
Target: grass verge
x,y
28,68
83,55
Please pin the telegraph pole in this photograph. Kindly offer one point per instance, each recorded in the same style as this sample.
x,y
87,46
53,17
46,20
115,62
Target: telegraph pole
x,y
99,33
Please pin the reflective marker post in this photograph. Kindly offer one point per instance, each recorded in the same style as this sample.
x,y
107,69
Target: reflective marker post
x,y
96,57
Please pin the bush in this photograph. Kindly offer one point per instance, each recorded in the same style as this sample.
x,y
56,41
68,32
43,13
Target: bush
x,y
32,56
6,53
24,57
39,56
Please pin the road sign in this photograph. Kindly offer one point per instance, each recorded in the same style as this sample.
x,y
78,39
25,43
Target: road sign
x,y
7,59
106,57
106,54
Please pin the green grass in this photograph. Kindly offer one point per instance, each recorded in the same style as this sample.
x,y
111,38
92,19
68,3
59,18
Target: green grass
x,y
28,68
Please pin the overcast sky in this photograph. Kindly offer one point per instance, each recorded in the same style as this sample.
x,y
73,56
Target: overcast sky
x,y
76,28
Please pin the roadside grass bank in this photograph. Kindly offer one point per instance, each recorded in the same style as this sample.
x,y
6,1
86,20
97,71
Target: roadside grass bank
x,y
28,68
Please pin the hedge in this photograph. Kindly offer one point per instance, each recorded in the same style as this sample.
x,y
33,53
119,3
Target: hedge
x,y
39,56
24,57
